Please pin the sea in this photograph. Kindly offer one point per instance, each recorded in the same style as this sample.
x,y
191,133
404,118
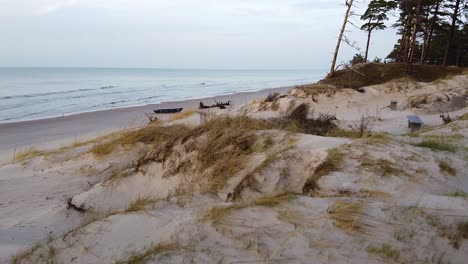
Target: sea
x,y
38,93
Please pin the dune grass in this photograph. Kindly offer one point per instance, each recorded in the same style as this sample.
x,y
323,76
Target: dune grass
x,y
455,233
221,145
385,251
27,154
377,73
217,213
463,117
347,216
271,97
331,164
33,152
459,194
382,167
146,255
182,115
139,204
436,145
151,134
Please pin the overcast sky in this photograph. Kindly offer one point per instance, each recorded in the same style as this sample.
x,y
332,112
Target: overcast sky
x,y
210,34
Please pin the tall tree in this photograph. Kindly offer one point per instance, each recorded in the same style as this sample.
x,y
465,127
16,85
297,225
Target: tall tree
x,y
375,16
349,5
455,14
413,38
432,22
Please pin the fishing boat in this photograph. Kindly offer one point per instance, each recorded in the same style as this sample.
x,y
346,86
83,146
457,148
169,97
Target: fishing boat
x,y
168,110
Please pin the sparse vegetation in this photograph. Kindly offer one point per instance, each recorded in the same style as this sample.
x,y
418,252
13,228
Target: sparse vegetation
x,y
376,73
300,119
274,200
382,167
217,213
446,118
272,97
139,204
445,167
436,145
182,115
348,216
386,251
459,194
463,117
455,233
27,154
23,254
332,163
144,257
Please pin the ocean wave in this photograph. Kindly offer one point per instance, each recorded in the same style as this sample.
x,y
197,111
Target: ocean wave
x,y
56,93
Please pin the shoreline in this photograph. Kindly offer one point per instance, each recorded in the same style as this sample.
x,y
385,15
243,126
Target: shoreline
x,y
145,105
49,133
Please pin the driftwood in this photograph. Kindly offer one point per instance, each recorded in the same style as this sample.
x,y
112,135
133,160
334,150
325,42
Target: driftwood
x,y
446,118
220,105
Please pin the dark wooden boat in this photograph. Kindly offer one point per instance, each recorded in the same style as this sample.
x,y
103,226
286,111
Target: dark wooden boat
x,y
168,110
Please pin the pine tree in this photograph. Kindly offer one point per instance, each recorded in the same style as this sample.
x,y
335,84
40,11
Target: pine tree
x,y
454,17
376,15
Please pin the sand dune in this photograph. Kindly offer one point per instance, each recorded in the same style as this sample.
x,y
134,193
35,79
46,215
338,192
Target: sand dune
x,y
239,186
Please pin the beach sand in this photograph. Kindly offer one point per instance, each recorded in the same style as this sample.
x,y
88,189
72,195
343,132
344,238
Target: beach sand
x,y
52,132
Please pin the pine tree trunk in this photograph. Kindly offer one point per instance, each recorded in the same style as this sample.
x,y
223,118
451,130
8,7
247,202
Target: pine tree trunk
x,y
431,31
409,64
340,37
452,31
407,40
367,46
425,38
402,43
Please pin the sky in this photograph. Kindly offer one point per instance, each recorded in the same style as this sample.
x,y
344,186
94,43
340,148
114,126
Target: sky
x,y
190,34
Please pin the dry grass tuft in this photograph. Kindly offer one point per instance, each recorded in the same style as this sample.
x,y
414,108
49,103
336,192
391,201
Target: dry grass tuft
x,y
463,117
274,200
217,213
385,251
436,145
225,150
377,73
28,154
182,115
331,164
139,205
456,234
382,167
445,167
221,147
151,134
374,194
144,257
23,254
271,97
301,119
347,216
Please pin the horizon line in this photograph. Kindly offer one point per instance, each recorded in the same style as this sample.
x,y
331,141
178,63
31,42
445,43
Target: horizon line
x,y
152,68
